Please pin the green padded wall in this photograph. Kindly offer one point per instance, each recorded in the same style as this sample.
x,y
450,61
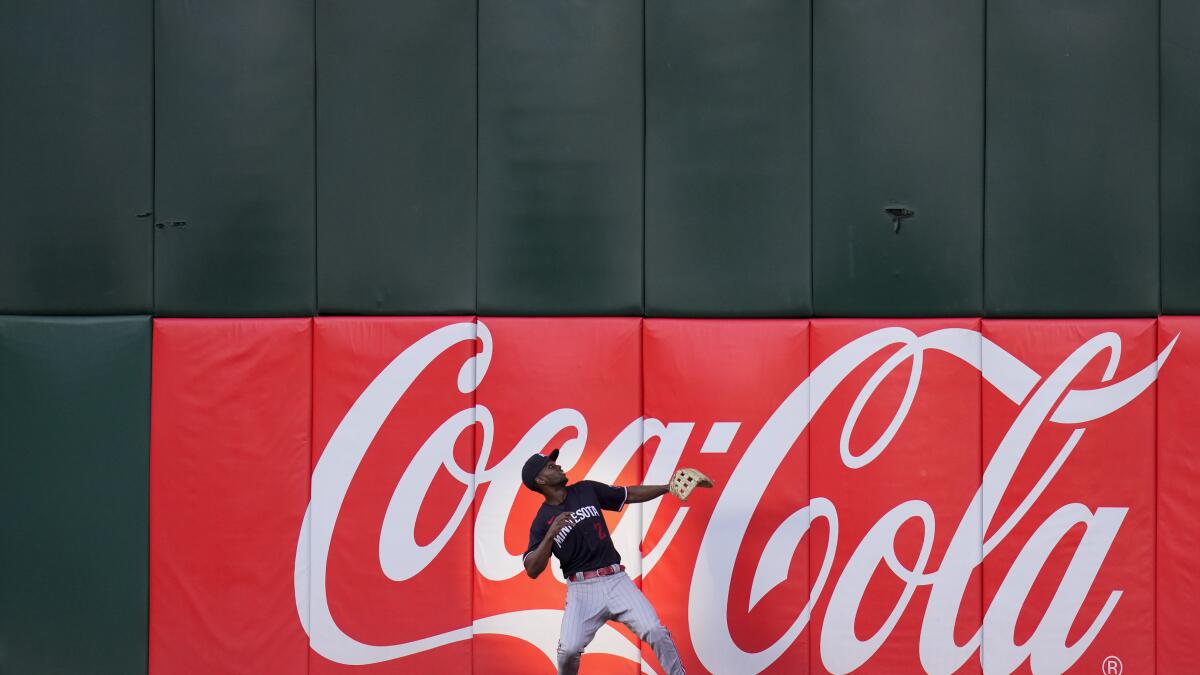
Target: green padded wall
x,y
1180,156
75,156
897,123
74,458
396,156
234,158
728,158
560,157
1071,193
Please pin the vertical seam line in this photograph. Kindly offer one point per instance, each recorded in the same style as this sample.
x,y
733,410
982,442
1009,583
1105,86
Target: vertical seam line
x,y
1154,549
153,306
1160,161
982,534
475,299
312,404
644,125
316,308
153,158
474,482
812,258
983,303
1157,337
808,444
153,310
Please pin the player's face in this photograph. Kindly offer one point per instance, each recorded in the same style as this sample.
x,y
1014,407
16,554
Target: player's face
x,y
552,474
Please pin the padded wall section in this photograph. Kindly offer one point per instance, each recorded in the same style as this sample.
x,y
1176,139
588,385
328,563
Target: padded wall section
x,y
727,595
560,157
1180,35
728,158
1178,579
573,384
1071,215
234,185
396,156
75,133
1068,506
392,493
74,400
895,449
898,123
230,443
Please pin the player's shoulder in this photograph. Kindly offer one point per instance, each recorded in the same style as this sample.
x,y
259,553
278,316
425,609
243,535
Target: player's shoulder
x,y
592,485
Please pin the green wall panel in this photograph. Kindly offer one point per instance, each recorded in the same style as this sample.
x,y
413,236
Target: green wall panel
x,y
560,157
897,123
727,158
75,156
234,158
1180,156
396,156
74,457
1071,194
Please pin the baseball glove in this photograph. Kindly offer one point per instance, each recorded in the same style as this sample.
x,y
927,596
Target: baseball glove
x,y
686,480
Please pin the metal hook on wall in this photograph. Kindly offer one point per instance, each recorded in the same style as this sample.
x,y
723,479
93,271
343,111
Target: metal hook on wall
x,y
898,213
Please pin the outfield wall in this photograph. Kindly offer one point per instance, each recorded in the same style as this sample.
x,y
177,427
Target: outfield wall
x,y
266,172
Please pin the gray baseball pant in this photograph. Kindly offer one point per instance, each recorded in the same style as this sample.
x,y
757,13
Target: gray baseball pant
x,y
594,601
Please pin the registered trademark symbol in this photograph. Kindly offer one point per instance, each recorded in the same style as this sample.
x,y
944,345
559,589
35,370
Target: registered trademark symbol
x,y
1112,666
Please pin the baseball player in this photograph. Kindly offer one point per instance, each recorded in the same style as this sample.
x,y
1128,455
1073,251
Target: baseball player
x,y
570,526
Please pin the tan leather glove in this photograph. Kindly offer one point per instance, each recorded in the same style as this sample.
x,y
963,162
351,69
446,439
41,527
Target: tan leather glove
x,y
686,480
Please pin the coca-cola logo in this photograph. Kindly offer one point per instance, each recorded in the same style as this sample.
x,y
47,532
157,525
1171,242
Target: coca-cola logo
x,y
1042,400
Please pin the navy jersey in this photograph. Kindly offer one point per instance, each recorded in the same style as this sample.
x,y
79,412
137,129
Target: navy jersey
x,y
584,543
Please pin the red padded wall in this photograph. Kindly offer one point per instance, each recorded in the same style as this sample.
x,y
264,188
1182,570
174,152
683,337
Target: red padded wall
x,y
712,385
1178,529
899,429
403,438
569,383
381,388
1094,380
229,453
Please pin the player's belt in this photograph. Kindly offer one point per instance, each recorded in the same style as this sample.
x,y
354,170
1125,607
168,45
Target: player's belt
x,y
592,574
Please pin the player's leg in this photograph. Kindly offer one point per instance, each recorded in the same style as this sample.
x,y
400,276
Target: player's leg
x,y
584,614
630,607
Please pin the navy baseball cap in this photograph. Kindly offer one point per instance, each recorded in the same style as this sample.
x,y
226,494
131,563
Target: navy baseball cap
x,y
533,466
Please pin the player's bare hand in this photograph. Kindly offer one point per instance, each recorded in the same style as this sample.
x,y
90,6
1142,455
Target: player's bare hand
x,y
560,521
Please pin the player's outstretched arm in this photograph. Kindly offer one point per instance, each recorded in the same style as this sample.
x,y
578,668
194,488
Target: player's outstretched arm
x,y
644,493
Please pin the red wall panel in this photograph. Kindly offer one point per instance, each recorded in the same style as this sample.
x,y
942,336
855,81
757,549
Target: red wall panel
x,y
895,448
1069,502
710,387
392,490
1178,530
1017,506
231,405
569,383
